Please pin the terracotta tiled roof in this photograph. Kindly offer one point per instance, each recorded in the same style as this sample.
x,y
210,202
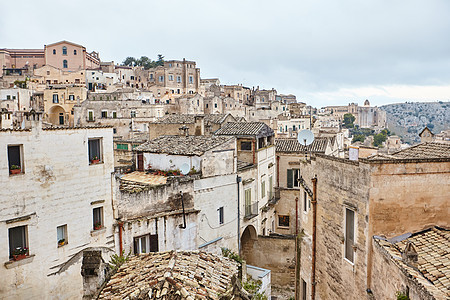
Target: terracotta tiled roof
x,y
433,266
190,118
182,145
171,275
245,128
292,145
430,150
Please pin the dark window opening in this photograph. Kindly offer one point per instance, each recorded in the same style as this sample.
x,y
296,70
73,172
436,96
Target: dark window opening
x,y
246,146
14,159
97,215
283,221
18,241
95,154
220,215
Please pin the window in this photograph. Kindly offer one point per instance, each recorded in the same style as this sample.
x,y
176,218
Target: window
x,y
305,202
146,243
263,189
65,64
283,221
72,97
151,76
97,218
61,235
18,241
90,115
292,178
114,130
271,187
64,50
248,201
54,51
122,146
215,105
178,91
104,114
8,97
95,154
349,234
55,98
246,146
161,78
170,77
133,114
114,114
191,79
75,52
15,159
220,210
179,79
206,105
304,286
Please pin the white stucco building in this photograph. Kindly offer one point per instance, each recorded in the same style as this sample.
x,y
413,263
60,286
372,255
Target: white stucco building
x,y
55,203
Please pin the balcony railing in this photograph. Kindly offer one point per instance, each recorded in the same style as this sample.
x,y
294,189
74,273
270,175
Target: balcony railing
x,y
274,196
251,210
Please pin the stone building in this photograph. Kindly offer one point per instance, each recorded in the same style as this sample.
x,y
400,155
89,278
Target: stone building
x,y
352,201
55,204
59,102
20,60
188,124
290,127
369,117
176,77
48,75
70,56
426,135
238,92
416,264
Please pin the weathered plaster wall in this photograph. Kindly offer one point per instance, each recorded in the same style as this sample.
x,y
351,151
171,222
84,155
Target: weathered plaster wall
x,y
220,160
209,195
58,187
161,161
274,253
409,197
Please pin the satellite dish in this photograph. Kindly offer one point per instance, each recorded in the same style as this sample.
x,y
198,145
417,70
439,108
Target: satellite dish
x,y
184,169
305,137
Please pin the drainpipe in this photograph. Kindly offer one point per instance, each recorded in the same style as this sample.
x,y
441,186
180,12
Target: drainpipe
x,y
120,238
296,215
254,151
313,260
278,171
238,180
183,226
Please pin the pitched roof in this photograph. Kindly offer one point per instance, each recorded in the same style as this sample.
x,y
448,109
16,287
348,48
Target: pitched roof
x,y
430,150
190,118
433,265
292,145
171,275
182,145
245,128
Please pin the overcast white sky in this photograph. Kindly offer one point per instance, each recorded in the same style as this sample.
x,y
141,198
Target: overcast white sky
x,y
325,52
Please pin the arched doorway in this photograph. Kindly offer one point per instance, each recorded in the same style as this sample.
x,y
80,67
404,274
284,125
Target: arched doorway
x,y
248,238
57,115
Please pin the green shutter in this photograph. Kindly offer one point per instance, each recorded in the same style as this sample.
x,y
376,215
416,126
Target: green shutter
x,y
289,178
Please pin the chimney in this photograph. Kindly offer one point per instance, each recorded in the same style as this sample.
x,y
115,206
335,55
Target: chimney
x,y
184,130
410,256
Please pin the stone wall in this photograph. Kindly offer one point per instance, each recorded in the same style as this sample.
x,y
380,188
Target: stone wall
x,y
274,253
57,187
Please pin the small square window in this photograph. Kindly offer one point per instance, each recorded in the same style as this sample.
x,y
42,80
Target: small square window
x,y
104,114
283,221
15,162
18,242
220,210
246,146
114,114
97,215
179,79
61,235
95,151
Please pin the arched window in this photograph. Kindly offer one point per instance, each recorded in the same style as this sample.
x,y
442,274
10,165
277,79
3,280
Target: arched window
x,y
65,64
54,51
75,52
64,50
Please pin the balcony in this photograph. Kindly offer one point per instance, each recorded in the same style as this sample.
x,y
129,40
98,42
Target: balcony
x,y
251,211
273,196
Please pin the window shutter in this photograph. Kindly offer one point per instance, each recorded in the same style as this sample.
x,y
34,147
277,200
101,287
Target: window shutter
x,y
289,178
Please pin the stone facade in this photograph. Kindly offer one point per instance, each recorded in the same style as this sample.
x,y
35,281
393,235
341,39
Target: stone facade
x,y
56,196
70,56
59,101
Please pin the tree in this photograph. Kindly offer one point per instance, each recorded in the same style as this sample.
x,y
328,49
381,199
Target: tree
x,y
358,138
378,139
129,61
348,120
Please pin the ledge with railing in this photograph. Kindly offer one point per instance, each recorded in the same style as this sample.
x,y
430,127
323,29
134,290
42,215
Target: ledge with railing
x,y
251,211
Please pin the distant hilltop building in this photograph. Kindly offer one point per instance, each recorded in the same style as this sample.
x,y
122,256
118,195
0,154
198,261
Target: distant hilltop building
x,y
63,55
366,116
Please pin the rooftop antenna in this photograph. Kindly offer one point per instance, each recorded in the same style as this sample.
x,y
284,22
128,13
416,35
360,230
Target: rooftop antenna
x,y
305,138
